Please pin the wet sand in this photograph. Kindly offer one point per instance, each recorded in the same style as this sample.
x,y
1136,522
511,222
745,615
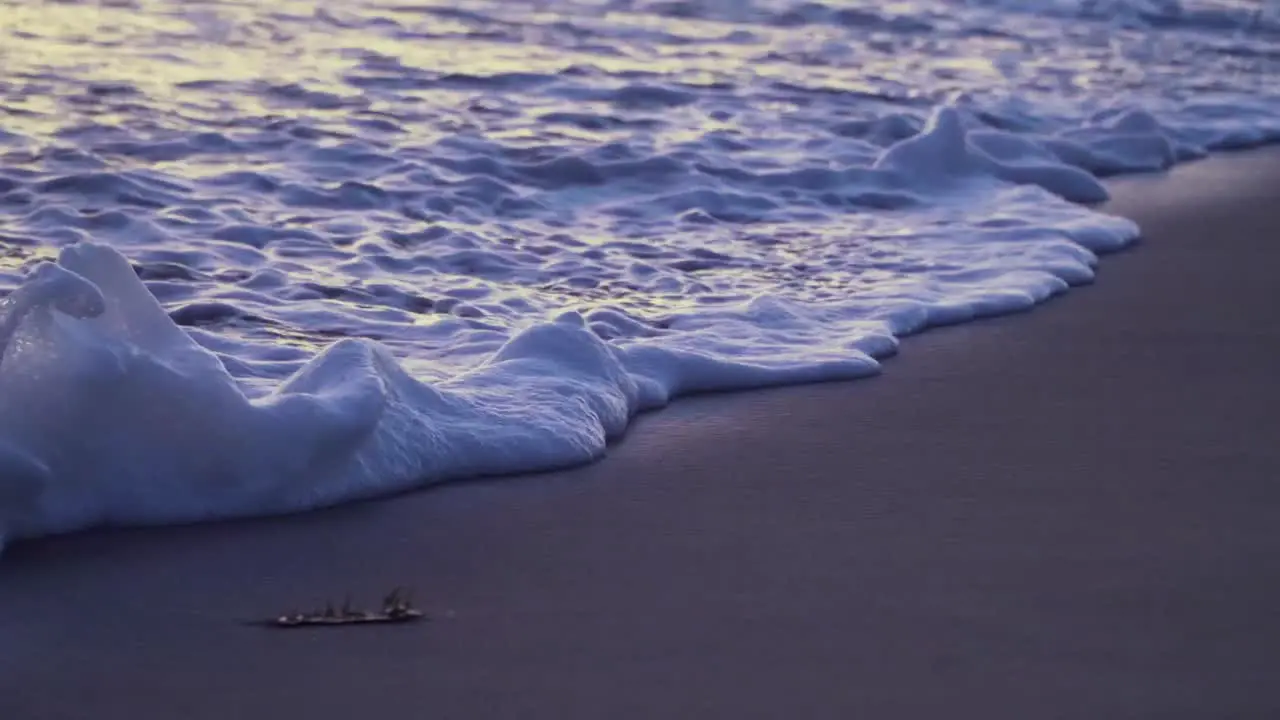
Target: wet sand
x,y
1069,513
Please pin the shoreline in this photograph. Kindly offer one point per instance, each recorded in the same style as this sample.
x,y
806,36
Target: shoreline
x,y
1061,512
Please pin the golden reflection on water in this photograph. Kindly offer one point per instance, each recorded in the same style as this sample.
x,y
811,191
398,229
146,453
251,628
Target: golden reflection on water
x,y
166,67
162,48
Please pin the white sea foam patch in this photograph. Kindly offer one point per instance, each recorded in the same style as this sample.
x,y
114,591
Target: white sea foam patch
x,y
113,414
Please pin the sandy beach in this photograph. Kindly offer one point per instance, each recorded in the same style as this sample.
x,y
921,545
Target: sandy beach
x,y
1068,513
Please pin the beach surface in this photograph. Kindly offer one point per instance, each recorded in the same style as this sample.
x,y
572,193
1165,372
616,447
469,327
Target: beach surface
x,y
1068,513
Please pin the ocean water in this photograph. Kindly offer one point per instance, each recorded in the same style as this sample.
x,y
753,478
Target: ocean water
x,y
261,257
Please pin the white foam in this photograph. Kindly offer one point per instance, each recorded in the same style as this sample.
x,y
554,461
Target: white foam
x,y
515,262
114,414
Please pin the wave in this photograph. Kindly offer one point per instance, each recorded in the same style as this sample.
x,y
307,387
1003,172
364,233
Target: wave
x,y
294,271
113,414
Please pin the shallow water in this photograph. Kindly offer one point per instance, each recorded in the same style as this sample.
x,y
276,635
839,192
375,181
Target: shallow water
x,y
707,195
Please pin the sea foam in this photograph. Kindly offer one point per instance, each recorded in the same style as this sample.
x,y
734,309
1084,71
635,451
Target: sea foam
x,y
278,285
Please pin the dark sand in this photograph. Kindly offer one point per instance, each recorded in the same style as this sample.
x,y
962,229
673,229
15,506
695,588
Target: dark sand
x,y
1071,513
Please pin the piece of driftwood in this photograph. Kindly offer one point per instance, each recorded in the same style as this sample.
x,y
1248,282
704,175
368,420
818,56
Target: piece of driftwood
x,y
397,607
